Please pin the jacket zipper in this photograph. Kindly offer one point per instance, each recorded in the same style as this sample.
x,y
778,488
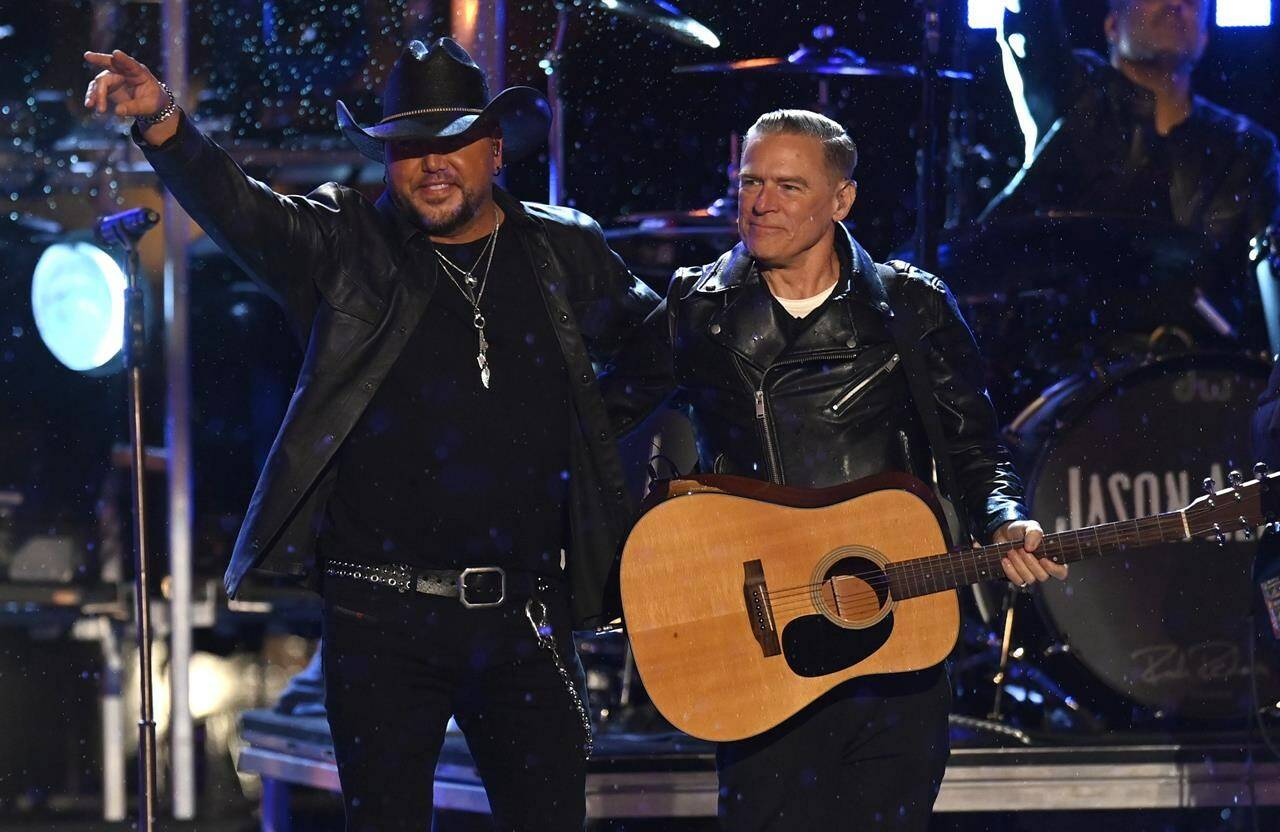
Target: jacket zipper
x,y
883,369
772,460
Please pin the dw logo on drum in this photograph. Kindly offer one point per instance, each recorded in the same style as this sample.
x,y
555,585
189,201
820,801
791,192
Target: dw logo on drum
x,y
1191,387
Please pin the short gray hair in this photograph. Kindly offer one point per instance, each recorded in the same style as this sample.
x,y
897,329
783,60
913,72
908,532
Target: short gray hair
x,y
840,151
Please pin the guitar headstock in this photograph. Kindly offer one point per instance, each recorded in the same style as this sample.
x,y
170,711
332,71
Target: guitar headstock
x,y
1240,507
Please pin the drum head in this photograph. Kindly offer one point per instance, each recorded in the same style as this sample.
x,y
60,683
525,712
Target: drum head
x,y
1166,626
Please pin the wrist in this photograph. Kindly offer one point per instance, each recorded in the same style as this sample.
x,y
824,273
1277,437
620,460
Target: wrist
x,y
168,111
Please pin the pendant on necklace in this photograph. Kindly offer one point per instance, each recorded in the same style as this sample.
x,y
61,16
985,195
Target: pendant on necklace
x,y
471,281
482,358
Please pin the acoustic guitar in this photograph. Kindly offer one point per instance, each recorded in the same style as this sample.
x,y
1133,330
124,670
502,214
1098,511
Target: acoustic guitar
x,y
745,601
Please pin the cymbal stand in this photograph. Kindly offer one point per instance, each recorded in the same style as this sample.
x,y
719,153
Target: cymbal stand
x,y
1006,639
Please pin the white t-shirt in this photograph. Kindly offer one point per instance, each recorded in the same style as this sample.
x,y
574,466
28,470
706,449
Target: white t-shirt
x,y
802,307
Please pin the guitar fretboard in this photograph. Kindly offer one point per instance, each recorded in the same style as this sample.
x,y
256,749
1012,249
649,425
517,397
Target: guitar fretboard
x,y
938,573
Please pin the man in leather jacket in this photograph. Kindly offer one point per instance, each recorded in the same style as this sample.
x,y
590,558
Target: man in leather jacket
x,y
783,350
1125,134
447,448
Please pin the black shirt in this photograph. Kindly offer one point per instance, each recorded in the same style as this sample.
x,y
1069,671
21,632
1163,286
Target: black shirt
x,y
441,473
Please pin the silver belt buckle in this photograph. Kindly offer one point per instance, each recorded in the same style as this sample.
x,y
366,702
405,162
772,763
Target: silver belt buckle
x,y
482,570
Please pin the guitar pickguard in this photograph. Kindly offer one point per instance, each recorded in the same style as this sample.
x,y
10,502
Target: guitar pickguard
x,y
813,646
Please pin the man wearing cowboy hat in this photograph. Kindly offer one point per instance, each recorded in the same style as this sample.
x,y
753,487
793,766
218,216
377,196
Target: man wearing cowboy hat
x,y
446,473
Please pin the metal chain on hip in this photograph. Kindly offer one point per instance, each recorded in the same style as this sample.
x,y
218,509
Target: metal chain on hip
x,y
473,290
536,612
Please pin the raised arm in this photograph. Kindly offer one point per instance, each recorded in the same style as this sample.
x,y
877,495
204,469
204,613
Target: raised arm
x,y
1039,67
281,241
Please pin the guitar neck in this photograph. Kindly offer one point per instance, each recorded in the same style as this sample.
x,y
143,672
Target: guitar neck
x,y
938,573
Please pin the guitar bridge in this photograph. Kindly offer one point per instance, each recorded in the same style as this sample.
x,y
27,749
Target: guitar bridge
x,y
759,611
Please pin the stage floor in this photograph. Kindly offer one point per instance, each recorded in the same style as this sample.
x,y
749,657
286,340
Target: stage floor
x,y
673,775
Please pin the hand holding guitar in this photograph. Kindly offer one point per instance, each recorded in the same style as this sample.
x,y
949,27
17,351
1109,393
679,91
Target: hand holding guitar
x,y
1021,566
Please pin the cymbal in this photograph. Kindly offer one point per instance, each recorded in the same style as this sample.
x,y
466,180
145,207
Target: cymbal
x,y
721,211
663,18
822,61
718,219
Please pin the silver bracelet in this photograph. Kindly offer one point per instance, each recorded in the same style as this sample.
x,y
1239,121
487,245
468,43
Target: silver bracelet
x,y
169,109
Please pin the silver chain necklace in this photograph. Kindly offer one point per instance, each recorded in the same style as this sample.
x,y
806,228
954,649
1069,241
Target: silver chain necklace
x,y
473,290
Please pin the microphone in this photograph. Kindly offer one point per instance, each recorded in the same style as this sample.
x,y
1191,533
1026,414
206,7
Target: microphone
x,y
126,228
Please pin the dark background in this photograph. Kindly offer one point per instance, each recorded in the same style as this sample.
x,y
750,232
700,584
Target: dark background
x,y
640,138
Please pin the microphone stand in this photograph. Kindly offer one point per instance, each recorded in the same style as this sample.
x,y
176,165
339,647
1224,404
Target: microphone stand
x,y
134,359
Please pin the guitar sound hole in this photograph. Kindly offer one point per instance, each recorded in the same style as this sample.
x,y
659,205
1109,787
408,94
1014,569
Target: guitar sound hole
x,y
854,593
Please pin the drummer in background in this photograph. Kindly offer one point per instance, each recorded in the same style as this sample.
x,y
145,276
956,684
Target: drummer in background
x,y
1125,134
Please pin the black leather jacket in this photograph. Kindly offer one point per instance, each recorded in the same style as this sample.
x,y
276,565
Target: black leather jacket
x,y
832,405
1097,149
353,278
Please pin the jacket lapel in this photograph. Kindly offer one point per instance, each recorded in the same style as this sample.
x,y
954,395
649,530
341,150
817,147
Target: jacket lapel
x,y
831,325
745,323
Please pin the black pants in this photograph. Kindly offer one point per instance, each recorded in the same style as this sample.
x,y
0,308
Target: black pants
x,y
866,757
398,665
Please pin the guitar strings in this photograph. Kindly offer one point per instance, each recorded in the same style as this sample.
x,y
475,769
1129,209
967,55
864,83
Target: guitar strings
x,y
951,563
979,559
785,600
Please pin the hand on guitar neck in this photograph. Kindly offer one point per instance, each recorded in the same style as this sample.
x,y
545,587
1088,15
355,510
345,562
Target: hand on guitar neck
x,y
1021,566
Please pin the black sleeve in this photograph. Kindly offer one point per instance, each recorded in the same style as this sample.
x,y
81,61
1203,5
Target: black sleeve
x,y
282,242
641,375
991,490
1039,66
617,303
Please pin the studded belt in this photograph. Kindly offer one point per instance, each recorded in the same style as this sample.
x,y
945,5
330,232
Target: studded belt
x,y
476,587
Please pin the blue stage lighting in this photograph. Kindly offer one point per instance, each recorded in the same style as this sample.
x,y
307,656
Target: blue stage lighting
x,y
1229,13
77,297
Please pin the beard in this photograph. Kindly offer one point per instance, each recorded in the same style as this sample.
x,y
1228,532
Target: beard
x,y
443,220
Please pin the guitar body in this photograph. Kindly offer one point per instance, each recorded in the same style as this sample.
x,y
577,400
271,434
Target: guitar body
x,y
746,601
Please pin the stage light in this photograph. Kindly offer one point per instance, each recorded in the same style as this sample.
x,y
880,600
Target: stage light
x,y
1232,13
985,14
77,298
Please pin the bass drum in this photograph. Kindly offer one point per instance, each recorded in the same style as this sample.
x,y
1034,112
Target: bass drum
x,y
1167,627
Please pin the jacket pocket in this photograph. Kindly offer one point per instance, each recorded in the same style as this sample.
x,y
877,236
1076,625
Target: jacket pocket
x,y
852,393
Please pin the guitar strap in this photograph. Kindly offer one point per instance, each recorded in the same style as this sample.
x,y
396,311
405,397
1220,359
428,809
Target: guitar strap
x,y
907,331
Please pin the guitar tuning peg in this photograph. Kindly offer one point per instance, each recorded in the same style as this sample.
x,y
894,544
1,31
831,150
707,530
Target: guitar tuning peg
x,y
1260,470
1248,532
1235,478
1209,485
1219,536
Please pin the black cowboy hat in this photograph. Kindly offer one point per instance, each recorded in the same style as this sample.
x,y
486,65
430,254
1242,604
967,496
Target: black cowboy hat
x,y
438,92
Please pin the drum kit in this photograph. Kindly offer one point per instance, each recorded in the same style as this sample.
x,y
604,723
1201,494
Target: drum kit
x,y
1119,360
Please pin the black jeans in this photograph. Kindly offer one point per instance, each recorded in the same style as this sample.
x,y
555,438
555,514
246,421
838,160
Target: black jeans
x,y
398,665
868,756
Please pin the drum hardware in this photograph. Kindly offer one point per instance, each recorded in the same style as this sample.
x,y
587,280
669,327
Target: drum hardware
x,y
1002,668
1052,296
1165,633
1264,253
1162,340
1212,316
